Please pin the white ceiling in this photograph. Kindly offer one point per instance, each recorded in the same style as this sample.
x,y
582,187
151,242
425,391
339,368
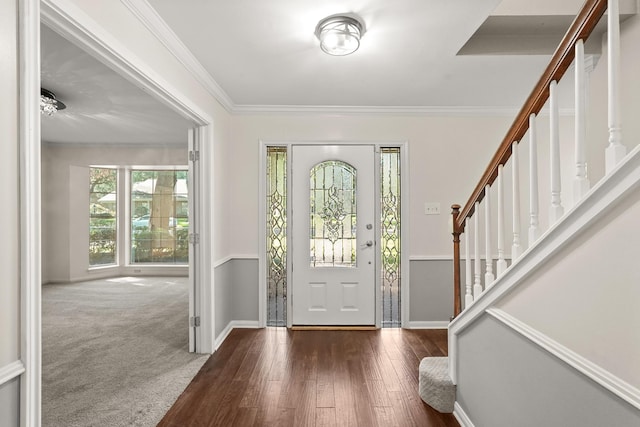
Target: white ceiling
x,y
102,106
263,56
265,53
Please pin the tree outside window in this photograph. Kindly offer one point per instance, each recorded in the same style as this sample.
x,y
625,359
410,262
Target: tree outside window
x,y
159,217
102,216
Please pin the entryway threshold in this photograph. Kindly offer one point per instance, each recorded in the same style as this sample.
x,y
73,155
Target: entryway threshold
x,y
333,328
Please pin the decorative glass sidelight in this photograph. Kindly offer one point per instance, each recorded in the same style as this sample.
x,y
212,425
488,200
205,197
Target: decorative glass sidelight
x,y
277,235
390,235
332,230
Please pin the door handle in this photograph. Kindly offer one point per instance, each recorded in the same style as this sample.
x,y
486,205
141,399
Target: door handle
x,y
367,244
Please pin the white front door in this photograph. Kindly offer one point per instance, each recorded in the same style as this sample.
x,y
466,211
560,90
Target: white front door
x,y
333,235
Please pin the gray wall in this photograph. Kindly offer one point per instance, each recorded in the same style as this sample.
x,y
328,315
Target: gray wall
x,y
245,289
431,287
503,376
10,403
236,291
223,282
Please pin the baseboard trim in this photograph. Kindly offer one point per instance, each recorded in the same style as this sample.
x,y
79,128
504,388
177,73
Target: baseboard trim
x,y
333,328
249,324
461,416
11,371
434,324
606,379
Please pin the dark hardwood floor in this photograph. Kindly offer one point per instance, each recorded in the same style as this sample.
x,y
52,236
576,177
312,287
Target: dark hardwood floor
x,y
279,377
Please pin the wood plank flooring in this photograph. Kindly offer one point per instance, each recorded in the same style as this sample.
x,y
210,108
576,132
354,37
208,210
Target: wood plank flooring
x,y
280,377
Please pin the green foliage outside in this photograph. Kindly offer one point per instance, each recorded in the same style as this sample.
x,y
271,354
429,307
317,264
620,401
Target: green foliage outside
x,y
143,249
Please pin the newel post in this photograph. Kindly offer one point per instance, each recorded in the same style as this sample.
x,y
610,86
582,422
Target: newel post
x,y
455,212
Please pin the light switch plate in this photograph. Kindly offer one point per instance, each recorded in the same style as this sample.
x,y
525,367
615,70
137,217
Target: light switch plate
x,y
432,208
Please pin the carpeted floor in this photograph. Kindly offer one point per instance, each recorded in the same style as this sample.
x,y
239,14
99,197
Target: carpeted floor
x,y
115,352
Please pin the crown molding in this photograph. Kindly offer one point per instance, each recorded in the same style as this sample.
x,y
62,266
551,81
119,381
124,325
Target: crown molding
x,y
148,16
383,110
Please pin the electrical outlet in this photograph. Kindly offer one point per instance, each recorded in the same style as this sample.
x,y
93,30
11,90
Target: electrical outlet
x,y
432,208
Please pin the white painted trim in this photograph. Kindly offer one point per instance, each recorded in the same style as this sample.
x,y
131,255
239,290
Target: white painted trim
x,y
245,324
205,276
228,258
11,371
262,234
150,18
431,258
116,145
425,111
382,110
240,324
461,416
429,324
599,201
223,336
159,28
447,258
30,213
606,379
405,233
222,261
66,18
404,241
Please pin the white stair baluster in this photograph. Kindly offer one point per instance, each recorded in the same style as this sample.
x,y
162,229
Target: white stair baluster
x,y
533,181
516,248
615,151
581,181
555,210
488,275
501,265
468,296
477,284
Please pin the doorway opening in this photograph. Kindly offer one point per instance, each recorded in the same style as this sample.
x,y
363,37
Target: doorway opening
x,y
388,234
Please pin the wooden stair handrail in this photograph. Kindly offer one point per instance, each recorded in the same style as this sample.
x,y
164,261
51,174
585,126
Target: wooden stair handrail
x,y
580,29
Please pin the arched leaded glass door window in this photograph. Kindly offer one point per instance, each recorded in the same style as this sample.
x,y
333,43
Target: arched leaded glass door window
x,y
333,214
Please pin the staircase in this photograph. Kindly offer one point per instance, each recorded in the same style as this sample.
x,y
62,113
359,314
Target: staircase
x,y
550,336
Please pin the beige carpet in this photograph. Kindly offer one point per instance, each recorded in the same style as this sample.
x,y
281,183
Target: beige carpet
x,y
115,352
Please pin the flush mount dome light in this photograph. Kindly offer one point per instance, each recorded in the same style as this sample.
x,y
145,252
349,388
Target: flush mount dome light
x,y
339,35
49,104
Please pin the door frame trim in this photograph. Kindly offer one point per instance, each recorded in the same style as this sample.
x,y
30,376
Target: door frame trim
x,y
75,26
404,230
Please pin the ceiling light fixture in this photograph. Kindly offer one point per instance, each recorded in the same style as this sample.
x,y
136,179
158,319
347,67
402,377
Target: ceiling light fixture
x,y
49,104
339,35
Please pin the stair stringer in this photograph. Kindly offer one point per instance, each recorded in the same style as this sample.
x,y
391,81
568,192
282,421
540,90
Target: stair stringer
x,y
603,199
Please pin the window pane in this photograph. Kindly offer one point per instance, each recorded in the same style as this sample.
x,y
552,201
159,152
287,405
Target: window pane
x,y
333,215
277,235
390,233
102,216
159,217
